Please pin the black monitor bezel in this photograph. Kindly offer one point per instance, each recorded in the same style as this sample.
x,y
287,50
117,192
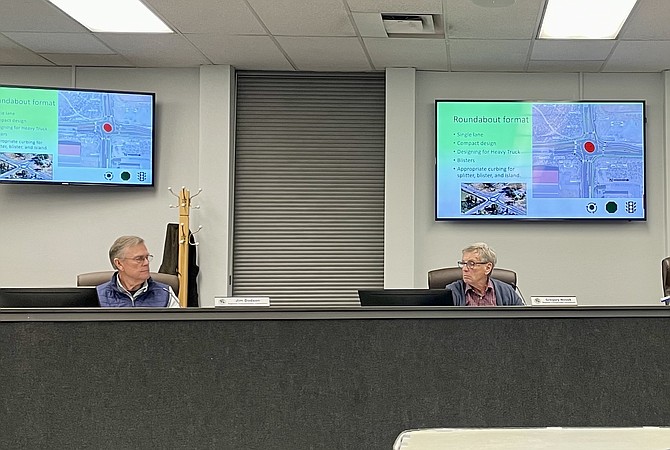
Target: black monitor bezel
x,y
49,297
405,297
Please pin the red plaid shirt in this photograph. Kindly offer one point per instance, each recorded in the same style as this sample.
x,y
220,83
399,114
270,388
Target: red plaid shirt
x,y
472,298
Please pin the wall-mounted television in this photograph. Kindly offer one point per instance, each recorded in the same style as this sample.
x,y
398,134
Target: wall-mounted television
x,y
540,160
76,136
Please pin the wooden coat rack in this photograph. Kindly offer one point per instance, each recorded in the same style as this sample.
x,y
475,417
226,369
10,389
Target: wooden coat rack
x,y
184,240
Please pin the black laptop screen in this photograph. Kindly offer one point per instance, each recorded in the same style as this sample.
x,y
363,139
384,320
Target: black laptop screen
x,y
405,297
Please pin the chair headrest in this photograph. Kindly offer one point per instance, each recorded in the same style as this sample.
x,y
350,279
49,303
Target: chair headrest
x,y
97,278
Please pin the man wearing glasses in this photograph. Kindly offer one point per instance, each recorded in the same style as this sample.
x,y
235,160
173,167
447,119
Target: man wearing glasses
x,y
131,285
477,288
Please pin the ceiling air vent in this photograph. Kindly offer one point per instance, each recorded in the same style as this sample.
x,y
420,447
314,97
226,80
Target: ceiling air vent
x,y
406,25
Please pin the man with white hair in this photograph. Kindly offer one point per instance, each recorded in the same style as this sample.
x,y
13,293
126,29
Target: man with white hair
x,y
131,285
477,288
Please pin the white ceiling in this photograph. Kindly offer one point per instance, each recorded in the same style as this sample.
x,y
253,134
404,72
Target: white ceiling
x,y
333,35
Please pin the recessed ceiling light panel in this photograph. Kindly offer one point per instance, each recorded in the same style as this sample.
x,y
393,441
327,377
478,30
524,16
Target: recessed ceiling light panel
x,y
113,16
582,19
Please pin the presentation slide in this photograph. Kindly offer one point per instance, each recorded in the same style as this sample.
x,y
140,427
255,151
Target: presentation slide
x,y
75,136
540,160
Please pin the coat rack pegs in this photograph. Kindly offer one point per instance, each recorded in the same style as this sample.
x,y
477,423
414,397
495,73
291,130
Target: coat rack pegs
x,y
192,240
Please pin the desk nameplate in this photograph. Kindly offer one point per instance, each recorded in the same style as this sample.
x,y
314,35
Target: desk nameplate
x,y
243,302
553,300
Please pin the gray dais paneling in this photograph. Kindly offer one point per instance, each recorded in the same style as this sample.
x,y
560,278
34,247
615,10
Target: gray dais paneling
x,y
321,384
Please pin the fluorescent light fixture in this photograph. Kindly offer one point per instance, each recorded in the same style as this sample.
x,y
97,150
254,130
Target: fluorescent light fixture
x,y
113,16
584,19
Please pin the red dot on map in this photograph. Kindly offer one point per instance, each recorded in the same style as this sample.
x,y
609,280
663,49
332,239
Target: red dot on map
x,y
107,127
589,146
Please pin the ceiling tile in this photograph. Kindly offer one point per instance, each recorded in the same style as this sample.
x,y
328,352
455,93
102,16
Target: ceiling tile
x,y
588,50
483,55
36,15
243,52
640,56
423,54
154,50
207,16
325,54
466,20
81,59
565,66
478,38
310,18
397,6
649,21
369,24
12,54
60,42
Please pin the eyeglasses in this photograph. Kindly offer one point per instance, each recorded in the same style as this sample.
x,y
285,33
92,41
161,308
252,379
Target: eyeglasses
x,y
140,259
469,264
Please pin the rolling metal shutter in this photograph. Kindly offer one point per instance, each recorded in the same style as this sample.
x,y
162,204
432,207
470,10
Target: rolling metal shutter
x,y
309,187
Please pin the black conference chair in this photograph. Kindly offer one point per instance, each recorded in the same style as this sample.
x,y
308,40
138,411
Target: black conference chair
x,y
665,275
439,278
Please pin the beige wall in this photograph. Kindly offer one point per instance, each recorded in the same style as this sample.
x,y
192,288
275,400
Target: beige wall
x,y
50,233
600,263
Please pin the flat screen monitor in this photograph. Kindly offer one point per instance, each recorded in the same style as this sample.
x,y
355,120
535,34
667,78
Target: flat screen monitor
x,y
76,136
405,297
48,297
540,160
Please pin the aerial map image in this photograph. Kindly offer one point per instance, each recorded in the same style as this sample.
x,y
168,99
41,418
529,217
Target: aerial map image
x,y
493,199
587,151
104,130
26,166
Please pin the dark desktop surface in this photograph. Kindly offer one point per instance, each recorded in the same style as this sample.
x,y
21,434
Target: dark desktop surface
x,y
280,313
